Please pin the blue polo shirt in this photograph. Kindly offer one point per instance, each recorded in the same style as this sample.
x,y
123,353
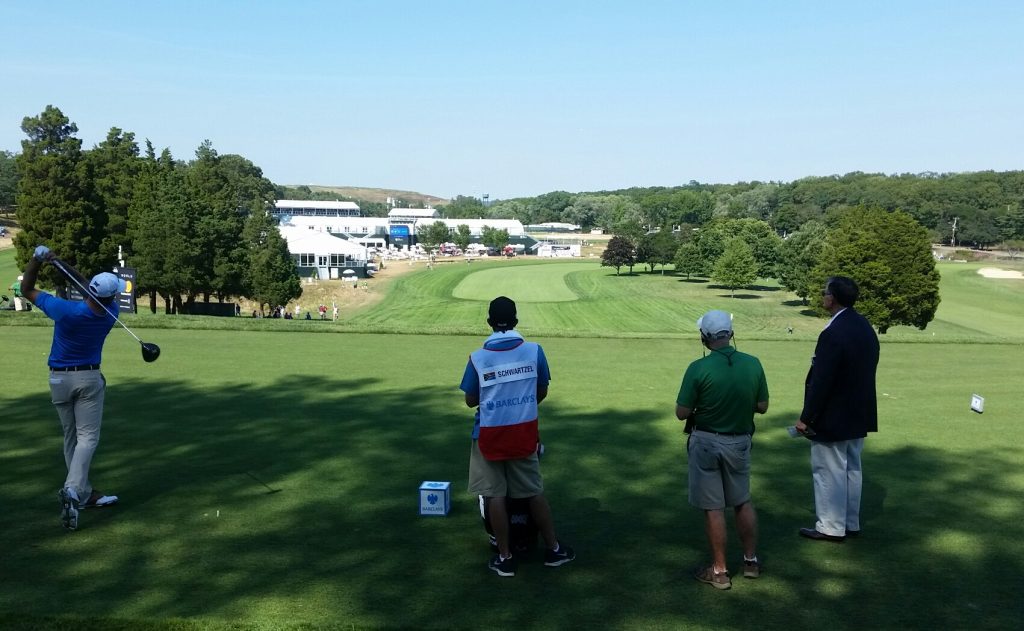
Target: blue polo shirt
x,y
78,333
471,382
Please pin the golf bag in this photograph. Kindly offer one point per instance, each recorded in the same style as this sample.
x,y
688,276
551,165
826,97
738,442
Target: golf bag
x,y
522,532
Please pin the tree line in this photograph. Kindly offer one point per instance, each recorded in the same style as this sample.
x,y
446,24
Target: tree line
x,y
987,207
887,252
434,234
193,230
199,229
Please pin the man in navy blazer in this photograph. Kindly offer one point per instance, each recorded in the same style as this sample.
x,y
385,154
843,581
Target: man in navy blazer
x,y
840,408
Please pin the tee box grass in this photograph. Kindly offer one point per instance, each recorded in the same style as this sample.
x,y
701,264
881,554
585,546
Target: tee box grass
x,y
265,475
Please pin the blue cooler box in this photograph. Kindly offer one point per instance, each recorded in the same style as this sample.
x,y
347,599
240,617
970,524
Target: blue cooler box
x,y
435,498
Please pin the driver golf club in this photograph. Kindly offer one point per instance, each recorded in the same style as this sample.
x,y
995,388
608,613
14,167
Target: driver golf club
x,y
150,351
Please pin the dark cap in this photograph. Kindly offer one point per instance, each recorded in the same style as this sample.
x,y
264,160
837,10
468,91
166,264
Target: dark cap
x,y
502,312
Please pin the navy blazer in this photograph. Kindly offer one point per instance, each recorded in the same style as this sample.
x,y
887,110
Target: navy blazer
x,y
839,395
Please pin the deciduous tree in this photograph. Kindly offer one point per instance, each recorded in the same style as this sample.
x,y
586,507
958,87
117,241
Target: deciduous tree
x,y
432,235
462,236
657,248
619,252
710,242
687,260
494,238
665,245
463,206
890,257
798,257
736,267
645,251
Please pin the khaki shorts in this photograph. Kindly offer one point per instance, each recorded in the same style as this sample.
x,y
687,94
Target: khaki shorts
x,y
719,470
501,478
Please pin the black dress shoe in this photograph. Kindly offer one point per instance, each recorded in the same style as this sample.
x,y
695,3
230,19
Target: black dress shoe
x,y
812,533
852,533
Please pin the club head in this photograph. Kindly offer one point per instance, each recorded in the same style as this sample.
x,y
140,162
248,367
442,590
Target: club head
x,y
150,351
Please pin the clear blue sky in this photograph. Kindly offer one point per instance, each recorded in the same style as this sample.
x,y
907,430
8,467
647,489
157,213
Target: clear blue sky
x,y
522,97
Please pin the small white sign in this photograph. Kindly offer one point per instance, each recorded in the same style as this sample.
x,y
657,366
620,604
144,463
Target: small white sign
x,y
977,403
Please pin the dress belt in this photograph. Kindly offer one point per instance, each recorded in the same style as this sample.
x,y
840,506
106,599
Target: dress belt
x,y
711,431
75,368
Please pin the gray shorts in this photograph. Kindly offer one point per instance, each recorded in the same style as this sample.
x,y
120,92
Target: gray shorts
x,y
500,478
719,470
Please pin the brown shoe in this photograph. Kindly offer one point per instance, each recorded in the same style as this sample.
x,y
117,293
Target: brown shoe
x,y
718,580
752,569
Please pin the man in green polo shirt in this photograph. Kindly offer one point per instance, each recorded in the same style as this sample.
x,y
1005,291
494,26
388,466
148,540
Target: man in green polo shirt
x,y
20,304
722,391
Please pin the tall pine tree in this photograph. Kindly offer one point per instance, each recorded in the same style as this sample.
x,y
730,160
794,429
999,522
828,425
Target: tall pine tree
x,y
115,166
56,201
270,275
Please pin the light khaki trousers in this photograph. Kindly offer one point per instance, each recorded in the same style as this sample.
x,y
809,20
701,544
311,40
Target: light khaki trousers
x,y
78,397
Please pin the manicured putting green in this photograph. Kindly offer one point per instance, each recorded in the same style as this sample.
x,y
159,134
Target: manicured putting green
x,y
528,283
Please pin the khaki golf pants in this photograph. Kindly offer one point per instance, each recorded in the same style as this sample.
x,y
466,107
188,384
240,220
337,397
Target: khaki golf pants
x,y
78,397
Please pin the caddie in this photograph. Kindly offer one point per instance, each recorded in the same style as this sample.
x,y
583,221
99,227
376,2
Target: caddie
x,y
505,380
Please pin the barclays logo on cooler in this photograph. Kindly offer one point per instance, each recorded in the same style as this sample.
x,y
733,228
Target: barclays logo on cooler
x,y
435,498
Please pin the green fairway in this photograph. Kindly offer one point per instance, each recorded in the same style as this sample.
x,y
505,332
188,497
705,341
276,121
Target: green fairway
x,y
534,283
975,305
448,299
8,271
269,477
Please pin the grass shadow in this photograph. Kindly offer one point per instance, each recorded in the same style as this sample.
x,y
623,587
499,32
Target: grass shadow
x,y
294,502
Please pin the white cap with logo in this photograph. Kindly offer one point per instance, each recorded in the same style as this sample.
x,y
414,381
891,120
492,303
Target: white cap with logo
x,y
105,285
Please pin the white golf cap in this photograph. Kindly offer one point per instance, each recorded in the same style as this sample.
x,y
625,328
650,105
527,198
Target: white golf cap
x,y
714,322
105,285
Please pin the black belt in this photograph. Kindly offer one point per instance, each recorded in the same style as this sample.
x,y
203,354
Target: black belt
x,y
711,431
75,368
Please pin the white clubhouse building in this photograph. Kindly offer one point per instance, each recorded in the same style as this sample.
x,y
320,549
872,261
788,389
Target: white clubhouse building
x,y
354,234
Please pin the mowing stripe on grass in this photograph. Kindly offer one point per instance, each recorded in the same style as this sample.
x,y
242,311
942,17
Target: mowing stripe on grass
x,y
534,283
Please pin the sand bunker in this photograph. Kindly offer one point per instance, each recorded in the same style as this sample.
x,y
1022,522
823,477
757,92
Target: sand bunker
x,y
995,272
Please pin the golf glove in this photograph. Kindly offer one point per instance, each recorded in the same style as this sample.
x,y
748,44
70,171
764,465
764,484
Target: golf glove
x,y
40,253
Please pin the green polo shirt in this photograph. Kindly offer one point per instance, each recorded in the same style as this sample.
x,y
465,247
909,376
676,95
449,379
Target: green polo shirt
x,y
723,388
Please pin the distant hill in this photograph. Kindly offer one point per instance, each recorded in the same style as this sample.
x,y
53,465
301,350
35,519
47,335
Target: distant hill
x,y
379,195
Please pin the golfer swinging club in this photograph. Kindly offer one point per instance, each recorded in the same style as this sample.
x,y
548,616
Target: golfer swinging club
x,y
76,383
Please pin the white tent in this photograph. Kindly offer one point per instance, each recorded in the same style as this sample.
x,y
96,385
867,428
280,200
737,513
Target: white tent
x,y
327,253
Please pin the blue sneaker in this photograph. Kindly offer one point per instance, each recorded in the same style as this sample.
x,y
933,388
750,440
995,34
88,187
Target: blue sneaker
x,y
563,556
68,508
503,567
